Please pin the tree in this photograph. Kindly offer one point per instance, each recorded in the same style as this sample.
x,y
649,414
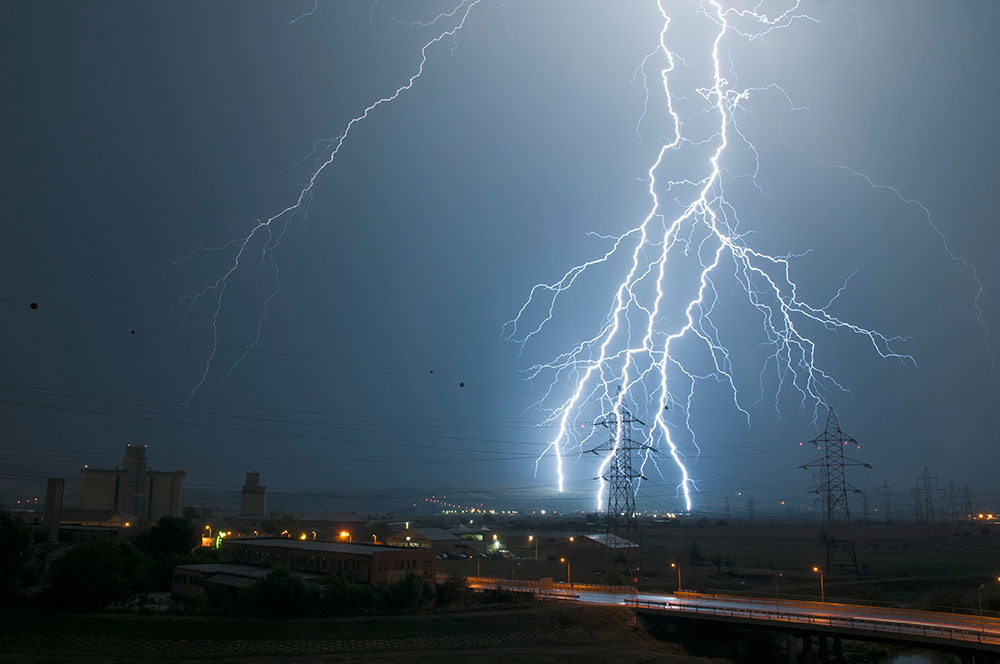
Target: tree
x,y
96,574
405,593
282,593
454,590
342,596
19,566
172,536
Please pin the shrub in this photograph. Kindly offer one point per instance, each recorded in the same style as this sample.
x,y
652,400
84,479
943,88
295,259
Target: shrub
x,y
342,596
405,593
454,590
280,594
96,574
19,567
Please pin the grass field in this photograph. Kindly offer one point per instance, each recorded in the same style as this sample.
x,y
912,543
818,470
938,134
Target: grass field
x,y
538,633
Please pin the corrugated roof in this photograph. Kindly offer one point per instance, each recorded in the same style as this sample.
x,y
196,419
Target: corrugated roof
x,y
229,580
249,572
433,533
255,571
311,545
612,541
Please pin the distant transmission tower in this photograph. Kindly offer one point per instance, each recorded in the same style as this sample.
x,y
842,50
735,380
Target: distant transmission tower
x,y
725,509
749,510
833,487
918,510
953,499
967,501
886,501
925,490
621,516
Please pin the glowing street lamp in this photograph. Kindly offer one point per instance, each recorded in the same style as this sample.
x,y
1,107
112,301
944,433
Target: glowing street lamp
x,y
777,599
822,592
569,568
344,535
678,568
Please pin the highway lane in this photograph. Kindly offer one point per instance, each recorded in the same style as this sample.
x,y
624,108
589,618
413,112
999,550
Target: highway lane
x,y
849,617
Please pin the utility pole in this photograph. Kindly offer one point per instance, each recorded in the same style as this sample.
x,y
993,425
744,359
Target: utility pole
x,y
864,507
886,501
621,518
749,510
833,487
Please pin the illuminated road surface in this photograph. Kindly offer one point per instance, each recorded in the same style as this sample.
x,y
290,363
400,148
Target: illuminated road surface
x,y
903,623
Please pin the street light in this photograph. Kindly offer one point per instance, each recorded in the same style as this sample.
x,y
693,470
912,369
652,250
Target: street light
x,y
822,592
532,538
777,599
678,568
569,582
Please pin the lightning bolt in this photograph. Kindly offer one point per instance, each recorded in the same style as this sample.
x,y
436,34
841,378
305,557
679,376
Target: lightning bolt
x,y
655,343
257,247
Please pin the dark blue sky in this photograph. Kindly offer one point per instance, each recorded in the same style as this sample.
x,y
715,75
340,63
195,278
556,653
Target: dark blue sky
x,y
136,132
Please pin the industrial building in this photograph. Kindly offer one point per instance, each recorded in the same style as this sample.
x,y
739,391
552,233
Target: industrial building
x,y
253,500
424,538
189,581
133,489
597,547
373,564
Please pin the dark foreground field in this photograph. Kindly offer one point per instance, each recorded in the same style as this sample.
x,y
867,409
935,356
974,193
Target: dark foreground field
x,y
545,633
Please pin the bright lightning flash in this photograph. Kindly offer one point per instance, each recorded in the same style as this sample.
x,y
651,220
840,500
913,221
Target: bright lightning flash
x,y
651,325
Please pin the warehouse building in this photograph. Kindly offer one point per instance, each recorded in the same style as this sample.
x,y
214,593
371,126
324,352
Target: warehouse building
x,y
373,564
424,538
602,546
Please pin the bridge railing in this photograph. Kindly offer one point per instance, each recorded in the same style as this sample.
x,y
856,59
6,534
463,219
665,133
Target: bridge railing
x,y
879,625
556,585
901,622
882,611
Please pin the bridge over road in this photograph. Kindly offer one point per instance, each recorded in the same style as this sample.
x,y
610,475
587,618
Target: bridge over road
x,y
974,638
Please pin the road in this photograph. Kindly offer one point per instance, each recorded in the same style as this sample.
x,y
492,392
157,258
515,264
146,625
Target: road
x,y
822,617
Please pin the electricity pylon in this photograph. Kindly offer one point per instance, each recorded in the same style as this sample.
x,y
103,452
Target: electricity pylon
x,y
833,488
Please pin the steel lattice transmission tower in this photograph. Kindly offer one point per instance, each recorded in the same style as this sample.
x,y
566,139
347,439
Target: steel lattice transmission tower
x,y
885,490
621,518
833,488
924,497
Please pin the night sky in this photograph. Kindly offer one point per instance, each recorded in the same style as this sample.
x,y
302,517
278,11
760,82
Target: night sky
x,y
137,132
